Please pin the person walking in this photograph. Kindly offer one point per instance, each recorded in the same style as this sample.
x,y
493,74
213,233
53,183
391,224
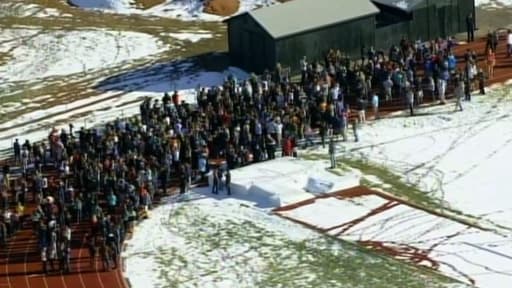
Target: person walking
x,y
491,62
388,88
355,130
470,27
375,106
495,40
481,81
3,233
467,88
106,255
409,94
215,181
91,246
459,93
361,110
332,153
17,151
52,247
65,255
509,43
228,181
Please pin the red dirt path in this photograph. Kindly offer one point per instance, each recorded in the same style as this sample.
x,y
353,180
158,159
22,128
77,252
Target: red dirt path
x,y
20,261
400,251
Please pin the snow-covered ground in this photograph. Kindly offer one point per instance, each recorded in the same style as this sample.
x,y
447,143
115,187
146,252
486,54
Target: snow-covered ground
x,y
205,241
180,9
462,157
17,9
460,251
35,54
192,37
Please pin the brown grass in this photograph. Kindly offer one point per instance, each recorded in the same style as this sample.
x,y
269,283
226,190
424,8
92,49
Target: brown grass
x,y
146,4
4,57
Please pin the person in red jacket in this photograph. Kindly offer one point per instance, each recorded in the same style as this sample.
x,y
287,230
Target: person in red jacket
x,y
287,147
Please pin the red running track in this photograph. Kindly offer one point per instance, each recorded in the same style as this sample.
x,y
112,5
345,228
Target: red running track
x,y
20,265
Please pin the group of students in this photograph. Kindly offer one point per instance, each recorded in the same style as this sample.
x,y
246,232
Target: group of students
x,y
109,176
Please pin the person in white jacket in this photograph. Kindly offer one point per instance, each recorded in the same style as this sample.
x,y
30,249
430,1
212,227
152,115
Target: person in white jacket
x,y
509,43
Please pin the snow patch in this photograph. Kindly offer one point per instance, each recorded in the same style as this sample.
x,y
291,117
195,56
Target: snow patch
x,y
192,37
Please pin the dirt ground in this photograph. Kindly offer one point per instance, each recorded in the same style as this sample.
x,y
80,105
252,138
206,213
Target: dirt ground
x,y
221,7
225,7
493,19
146,4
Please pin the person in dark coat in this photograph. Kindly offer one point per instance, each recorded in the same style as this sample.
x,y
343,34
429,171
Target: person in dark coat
x,y
332,153
470,27
65,256
216,179
355,129
17,151
481,81
228,181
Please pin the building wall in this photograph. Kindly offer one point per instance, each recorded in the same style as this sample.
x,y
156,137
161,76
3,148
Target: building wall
x,y
439,18
386,36
348,37
250,47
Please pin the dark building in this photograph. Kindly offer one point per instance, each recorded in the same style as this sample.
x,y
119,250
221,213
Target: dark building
x,y
420,19
286,32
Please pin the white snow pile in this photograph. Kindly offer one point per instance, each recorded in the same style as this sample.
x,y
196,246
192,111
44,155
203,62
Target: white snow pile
x,y
180,9
192,37
287,180
36,55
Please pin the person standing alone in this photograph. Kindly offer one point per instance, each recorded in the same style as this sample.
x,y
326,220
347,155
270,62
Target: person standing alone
x,y
332,153
459,93
509,43
470,27
375,106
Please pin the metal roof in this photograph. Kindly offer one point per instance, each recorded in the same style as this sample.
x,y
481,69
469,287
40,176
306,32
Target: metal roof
x,y
298,16
404,5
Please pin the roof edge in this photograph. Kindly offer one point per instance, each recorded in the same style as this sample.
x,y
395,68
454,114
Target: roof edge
x,y
234,16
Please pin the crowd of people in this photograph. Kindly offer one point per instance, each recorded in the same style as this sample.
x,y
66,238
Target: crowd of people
x,y
109,176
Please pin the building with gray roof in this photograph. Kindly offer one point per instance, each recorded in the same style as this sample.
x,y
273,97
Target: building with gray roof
x,y
284,33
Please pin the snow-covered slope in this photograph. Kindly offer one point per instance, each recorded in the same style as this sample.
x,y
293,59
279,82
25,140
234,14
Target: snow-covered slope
x,y
38,55
182,9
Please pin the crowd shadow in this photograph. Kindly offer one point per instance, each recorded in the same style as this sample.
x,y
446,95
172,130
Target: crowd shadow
x,y
200,193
